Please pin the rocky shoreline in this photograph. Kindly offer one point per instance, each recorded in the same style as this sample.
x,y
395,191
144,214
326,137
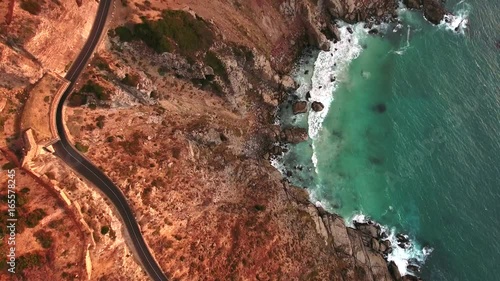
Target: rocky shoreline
x,y
366,246
203,122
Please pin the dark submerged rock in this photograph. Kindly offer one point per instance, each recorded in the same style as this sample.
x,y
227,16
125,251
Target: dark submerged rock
x,y
380,108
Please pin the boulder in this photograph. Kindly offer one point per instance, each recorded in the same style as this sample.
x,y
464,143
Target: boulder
x,y
299,107
393,269
276,150
375,244
403,241
368,228
410,278
335,32
317,106
287,83
433,11
294,135
208,72
412,4
385,246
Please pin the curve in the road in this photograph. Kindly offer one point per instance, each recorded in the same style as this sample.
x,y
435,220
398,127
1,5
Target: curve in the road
x,y
85,168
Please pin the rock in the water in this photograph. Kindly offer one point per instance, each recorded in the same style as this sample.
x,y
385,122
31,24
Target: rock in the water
x,y
403,241
294,135
412,4
368,228
410,278
299,107
308,95
317,106
433,11
380,108
373,31
349,29
413,268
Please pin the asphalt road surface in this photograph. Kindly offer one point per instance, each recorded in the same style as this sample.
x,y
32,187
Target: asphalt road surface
x,y
86,169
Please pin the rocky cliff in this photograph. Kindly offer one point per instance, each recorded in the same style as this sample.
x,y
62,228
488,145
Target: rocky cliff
x,y
181,119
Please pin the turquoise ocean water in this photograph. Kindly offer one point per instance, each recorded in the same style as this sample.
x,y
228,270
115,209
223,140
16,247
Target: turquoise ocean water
x,y
410,136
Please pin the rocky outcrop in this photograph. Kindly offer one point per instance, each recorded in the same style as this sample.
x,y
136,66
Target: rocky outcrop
x,y
356,247
293,135
413,4
355,11
433,11
317,106
299,107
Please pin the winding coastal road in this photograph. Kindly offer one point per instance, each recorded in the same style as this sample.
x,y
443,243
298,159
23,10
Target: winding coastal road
x,y
85,168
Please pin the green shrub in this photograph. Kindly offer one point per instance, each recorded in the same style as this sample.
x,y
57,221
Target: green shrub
x,y
104,230
80,147
100,121
175,31
8,166
131,80
35,217
216,64
28,261
124,34
77,99
259,207
31,6
44,238
96,89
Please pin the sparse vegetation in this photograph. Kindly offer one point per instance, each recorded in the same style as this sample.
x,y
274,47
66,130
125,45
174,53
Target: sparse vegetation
x,y
35,217
77,99
175,31
8,166
80,147
259,207
100,121
124,34
44,238
104,230
28,261
96,89
131,80
31,6
101,63
216,64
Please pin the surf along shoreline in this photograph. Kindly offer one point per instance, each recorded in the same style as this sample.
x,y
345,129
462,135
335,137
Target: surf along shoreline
x,y
339,49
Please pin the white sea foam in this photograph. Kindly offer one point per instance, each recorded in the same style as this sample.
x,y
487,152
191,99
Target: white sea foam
x,y
400,256
329,66
457,21
329,69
